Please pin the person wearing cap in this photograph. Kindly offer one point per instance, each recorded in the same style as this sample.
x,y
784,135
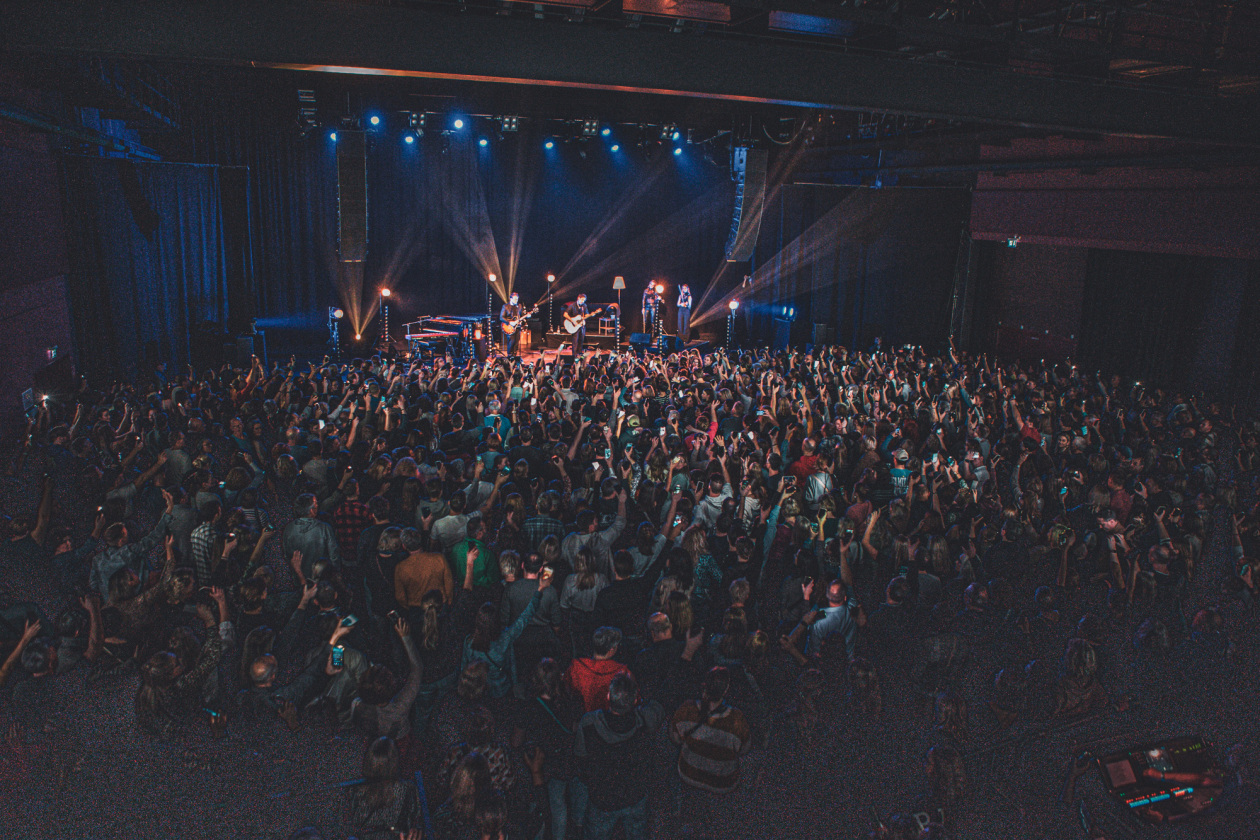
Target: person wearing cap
x,y
900,473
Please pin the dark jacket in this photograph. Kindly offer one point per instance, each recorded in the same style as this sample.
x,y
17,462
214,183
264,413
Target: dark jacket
x,y
614,754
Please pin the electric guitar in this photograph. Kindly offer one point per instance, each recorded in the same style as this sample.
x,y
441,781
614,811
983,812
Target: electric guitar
x,y
510,327
573,323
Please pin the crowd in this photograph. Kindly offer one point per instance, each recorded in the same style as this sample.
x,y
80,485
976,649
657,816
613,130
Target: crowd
x,y
601,596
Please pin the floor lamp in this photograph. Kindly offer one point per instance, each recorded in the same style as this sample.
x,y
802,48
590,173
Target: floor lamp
x,y
619,283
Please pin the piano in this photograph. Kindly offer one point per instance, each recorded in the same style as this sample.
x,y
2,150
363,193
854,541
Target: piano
x,y
438,333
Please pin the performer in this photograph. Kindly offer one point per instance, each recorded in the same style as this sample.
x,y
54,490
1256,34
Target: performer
x,y
651,302
511,335
572,312
684,312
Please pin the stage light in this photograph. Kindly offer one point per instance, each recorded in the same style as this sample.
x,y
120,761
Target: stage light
x,y
409,138
668,131
675,136
338,314
551,278
734,304
492,278
678,150
333,136
660,288
385,292
606,131
616,148
458,124
358,336
1012,242
590,127
374,120
483,142
509,123
550,144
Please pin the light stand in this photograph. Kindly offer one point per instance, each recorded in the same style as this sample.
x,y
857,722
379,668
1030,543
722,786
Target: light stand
x,y
385,343
334,338
490,312
660,326
730,325
551,282
619,283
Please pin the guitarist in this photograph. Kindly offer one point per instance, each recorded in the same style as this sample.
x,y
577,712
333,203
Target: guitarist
x,y
507,314
572,313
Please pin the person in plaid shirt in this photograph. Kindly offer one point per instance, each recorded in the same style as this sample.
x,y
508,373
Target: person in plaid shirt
x,y
538,528
350,519
203,537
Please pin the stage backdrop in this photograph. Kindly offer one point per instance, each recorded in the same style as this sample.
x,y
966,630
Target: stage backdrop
x,y
444,212
856,262
149,267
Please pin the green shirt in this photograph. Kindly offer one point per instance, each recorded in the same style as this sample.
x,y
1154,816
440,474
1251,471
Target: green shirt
x,y
485,570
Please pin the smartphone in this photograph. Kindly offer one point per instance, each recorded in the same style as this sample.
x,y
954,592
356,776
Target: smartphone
x,y
338,655
663,432
607,453
533,401
321,424
594,465
677,521
349,621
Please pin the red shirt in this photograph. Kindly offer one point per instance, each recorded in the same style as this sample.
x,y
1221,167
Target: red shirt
x,y
589,679
804,467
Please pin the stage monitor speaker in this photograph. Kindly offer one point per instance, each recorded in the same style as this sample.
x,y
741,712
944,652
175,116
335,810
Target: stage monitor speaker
x,y
672,344
352,211
640,341
750,197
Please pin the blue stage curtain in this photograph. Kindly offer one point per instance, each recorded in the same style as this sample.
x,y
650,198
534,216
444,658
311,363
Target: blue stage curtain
x,y
148,270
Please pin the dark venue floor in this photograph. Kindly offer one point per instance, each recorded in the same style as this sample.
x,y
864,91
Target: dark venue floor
x,y
981,274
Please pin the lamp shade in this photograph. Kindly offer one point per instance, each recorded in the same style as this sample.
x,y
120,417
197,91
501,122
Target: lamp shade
x,y
619,283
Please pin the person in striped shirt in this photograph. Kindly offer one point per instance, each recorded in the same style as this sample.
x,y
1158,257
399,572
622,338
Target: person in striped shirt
x,y
712,735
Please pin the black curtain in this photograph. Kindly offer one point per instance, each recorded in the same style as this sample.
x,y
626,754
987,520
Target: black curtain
x,y
1142,314
858,263
148,267
248,119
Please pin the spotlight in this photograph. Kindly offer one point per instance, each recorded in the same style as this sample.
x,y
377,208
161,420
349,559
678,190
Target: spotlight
x,y
374,120
483,142
409,138
458,124
358,336
606,131
668,132
734,304
509,123
338,314
416,123
550,144
551,278
678,150
385,293
675,136
590,127
333,136
616,148
660,288
492,278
